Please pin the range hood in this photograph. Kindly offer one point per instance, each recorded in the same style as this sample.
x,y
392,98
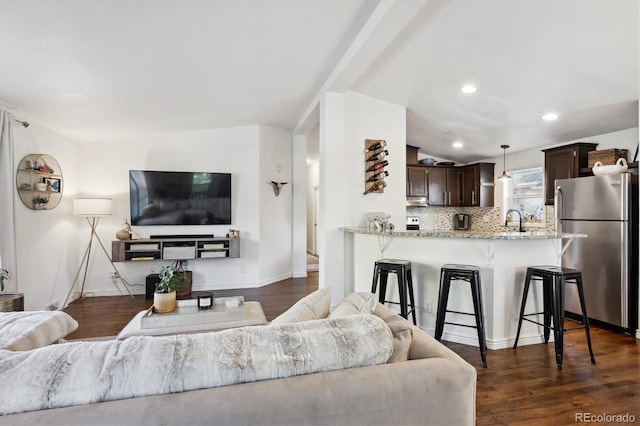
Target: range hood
x,y
417,201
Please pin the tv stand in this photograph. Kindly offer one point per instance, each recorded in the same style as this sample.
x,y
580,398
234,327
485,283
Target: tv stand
x,y
174,248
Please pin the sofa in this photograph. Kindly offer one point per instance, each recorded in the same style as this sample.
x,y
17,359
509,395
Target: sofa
x,y
432,386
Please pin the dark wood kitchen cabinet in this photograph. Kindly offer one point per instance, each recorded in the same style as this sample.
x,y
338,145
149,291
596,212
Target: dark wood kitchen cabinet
x,y
416,181
564,162
443,186
477,185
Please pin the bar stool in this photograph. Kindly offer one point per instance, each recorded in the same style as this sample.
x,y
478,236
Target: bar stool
x,y
553,280
402,269
471,275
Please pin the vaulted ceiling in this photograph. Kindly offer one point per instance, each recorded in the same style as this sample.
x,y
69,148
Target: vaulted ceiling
x,y
107,69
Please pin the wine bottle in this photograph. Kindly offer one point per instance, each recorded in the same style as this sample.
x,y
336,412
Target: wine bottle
x,y
378,176
378,156
376,186
378,166
381,144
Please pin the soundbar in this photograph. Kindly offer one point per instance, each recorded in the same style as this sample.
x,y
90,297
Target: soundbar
x,y
188,237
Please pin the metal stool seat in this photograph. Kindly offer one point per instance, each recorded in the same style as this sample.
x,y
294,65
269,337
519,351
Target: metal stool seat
x,y
471,275
402,269
553,280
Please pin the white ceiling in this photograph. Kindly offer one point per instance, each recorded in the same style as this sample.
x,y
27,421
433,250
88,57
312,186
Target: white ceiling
x,y
108,69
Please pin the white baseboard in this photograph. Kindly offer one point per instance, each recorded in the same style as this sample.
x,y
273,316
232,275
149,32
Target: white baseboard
x,y
472,340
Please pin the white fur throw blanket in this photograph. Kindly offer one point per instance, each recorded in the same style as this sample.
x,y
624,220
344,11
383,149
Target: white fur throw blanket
x,y
86,372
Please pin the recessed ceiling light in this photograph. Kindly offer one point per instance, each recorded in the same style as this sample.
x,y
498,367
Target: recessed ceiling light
x,y
468,88
457,144
550,116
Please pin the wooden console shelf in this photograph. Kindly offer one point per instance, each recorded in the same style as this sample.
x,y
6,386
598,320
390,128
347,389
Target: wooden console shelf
x,y
174,248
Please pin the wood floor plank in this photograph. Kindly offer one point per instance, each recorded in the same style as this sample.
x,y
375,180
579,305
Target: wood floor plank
x,y
519,387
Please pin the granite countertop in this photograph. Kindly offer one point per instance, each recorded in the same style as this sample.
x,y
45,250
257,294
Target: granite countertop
x,y
467,234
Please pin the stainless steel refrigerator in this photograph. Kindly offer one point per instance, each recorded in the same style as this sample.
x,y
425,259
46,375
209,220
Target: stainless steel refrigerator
x,y
606,209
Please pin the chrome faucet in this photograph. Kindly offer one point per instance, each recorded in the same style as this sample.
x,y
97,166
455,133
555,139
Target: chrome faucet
x,y
506,221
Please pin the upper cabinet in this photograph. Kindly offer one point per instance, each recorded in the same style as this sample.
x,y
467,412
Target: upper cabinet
x,y
564,162
471,185
416,181
477,185
39,182
443,186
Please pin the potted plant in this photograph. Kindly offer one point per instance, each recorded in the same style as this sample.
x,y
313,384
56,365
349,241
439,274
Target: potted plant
x,y
4,275
164,298
40,202
9,301
179,268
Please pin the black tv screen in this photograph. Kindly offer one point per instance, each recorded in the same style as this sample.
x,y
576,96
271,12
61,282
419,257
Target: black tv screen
x,y
179,198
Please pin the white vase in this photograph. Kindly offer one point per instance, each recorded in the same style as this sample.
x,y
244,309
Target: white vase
x,y
164,302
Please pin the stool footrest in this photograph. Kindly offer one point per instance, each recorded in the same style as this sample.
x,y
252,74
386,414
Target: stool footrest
x,y
461,313
461,325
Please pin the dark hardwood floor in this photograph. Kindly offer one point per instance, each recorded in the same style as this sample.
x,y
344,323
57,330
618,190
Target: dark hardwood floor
x,y
106,316
520,387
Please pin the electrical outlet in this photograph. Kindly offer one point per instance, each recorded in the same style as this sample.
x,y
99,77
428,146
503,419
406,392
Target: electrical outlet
x,y
152,270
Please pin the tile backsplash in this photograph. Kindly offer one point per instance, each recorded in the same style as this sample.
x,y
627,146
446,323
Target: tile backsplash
x,y
482,219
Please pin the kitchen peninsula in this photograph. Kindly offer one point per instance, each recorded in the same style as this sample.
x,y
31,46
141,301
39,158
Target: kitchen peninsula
x,y
501,256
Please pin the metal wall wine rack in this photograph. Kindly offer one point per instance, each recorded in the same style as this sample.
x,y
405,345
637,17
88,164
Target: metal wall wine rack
x,y
375,161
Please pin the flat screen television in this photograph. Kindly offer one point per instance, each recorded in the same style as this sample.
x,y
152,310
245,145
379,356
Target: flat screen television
x,y
179,198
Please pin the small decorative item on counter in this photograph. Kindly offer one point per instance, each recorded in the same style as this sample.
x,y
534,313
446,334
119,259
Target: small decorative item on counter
x,y
233,233
40,186
205,300
125,232
232,302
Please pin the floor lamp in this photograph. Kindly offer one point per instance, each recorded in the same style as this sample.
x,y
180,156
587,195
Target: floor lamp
x,y
92,209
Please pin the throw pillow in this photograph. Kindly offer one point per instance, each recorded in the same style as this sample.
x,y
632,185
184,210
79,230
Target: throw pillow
x,y
311,307
23,331
355,303
402,334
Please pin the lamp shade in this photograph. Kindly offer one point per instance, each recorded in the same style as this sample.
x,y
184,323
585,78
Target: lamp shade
x,y
92,206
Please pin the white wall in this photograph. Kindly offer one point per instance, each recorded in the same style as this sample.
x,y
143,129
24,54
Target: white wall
x,y
46,240
346,120
299,206
313,182
275,213
234,150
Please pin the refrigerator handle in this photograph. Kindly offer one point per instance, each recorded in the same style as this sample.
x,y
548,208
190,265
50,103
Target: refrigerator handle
x,y
557,201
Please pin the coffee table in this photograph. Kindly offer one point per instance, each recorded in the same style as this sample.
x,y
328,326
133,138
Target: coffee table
x,y
175,323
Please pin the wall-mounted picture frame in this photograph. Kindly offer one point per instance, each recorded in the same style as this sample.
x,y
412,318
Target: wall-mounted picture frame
x,y
53,184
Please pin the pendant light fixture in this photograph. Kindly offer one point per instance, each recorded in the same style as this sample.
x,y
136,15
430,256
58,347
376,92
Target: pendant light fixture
x,y
504,175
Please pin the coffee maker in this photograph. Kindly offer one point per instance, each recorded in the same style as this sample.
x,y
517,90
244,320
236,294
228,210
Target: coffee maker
x,y
461,222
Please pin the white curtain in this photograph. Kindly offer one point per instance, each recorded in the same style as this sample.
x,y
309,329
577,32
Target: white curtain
x,y
7,185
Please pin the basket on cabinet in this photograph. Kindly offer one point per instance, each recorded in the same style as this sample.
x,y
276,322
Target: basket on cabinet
x,y
606,156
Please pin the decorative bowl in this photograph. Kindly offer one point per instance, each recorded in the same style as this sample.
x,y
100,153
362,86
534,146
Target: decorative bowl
x,y
614,169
